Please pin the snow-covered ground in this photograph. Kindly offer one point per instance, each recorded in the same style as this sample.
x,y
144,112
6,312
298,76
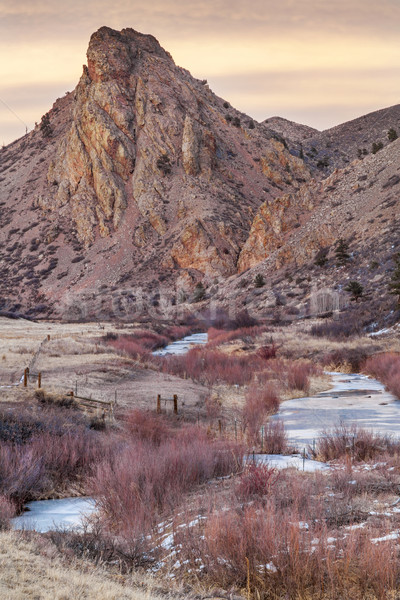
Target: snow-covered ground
x,y
48,515
184,345
352,399
10,385
295,461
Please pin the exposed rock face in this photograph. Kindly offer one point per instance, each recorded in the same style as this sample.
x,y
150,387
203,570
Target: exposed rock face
x,y
148,178
273,222
151,149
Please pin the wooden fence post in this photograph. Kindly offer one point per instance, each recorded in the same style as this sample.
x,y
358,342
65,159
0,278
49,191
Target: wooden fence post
x,y
158,404
220,426
175,404
26,373
48,337
39,380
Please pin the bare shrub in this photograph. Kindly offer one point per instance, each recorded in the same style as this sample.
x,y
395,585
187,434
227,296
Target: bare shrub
x,y
267,352
44,452
386,368
211,366
348,326
273,553
298,377
217,337
142,481
256,481
140,343
275,438
353,441
147,427
260,401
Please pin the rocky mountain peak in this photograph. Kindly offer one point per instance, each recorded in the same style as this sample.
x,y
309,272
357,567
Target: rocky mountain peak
x,y
112,54
153,150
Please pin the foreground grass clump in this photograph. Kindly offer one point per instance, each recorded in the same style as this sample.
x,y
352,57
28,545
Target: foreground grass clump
x,y
34,568
386,368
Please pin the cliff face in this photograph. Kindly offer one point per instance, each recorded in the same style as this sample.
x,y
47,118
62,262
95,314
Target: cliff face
x,y
145,176
154,160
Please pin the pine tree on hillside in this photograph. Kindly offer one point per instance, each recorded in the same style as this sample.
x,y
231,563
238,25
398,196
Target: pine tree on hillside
x,y
45,126
341,252
355,289
394,284
259,281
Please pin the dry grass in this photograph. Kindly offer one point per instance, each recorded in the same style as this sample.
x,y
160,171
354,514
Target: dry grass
x,y
31,570
297,342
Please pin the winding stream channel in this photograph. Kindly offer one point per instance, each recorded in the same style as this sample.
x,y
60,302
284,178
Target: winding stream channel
x,y
353,398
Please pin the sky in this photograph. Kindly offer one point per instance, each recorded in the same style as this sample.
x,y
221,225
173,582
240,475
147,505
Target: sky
x,y
317,62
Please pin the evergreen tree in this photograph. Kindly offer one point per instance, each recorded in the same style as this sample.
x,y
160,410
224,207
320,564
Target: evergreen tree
x,y
394,284
164,164
356,290
342,256
199,292
259,281
321,258
392,135
45,126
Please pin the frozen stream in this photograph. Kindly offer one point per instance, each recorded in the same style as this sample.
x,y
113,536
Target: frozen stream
x,y
184,345
48,515
352,399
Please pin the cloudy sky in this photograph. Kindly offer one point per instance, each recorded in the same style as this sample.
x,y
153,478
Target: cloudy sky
x,y
318,62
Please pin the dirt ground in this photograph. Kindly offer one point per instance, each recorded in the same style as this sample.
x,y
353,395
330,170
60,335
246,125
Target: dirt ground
x,y
76,358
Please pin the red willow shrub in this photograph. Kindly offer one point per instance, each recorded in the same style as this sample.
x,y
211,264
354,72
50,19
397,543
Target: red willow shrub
x,y
147,427
7,512
272,554
260,401
294,375
298,377
267,352
43,452
359,443
386,368
211,366
256,482
143,481
275,437
140,343
177,332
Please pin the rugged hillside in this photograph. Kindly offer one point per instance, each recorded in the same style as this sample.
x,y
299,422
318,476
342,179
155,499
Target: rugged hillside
x,y
289,130
336,147
142,191
291,234
141,173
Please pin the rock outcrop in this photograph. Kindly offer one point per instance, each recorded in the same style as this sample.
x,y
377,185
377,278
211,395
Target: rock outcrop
x,y
150,146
